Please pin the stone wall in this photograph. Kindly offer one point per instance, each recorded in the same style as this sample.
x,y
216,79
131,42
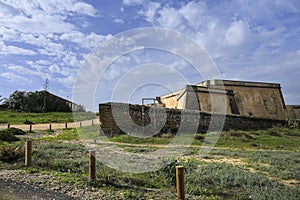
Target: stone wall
x,y
140,120
293,111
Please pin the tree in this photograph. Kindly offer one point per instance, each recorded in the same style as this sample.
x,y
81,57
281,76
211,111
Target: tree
x,y
34,102
16,100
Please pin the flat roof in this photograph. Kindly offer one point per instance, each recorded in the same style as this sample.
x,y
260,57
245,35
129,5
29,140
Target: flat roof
x,y
219,82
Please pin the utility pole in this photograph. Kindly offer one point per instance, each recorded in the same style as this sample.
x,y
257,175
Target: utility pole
x,y
45,91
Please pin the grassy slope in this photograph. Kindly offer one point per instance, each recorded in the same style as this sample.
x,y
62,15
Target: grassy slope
x,y
13,117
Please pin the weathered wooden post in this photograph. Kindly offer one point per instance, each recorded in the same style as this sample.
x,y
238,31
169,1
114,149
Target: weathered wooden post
x,y
92,165
8,125
80,124
50,127
30,128
180,182
92,122
66,125
28,153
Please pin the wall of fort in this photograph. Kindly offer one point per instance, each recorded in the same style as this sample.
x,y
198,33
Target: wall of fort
x,y
293,111
238,97
255,98
121,118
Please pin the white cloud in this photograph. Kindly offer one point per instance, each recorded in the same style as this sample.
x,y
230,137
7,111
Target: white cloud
x,y
61,70
7,11
8,49
170,18
132,2
89,41
118,21
38,23
150,11
34,70
237,33
51,7
67,81
13,78
193,12
39,16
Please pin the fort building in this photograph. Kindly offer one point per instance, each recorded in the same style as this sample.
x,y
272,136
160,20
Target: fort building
x,y
243,98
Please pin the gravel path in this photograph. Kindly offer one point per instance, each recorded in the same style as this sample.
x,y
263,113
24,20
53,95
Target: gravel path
x,y
19,185
10,189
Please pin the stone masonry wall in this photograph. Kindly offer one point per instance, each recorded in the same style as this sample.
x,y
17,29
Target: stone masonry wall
x,y
114,120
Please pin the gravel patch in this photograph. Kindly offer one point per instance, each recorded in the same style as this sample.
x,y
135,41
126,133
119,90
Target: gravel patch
x,y
19,185
10,189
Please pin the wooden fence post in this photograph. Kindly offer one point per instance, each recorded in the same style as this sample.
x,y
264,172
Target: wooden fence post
x,y
66,125
92,122
28,153
80,124
50,127
30,128
180,182
8,125
92,165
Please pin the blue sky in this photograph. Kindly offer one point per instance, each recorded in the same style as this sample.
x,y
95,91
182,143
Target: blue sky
x,y
247,40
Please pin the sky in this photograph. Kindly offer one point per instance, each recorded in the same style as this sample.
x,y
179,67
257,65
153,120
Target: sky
x,y
54,40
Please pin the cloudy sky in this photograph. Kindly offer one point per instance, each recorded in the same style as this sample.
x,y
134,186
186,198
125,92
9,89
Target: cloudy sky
x,y
247,40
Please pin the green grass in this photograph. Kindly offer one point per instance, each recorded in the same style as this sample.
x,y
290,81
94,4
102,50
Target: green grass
x,y
274,138
225,181
60,157
276,159
65,135
137,140
280,164
13,117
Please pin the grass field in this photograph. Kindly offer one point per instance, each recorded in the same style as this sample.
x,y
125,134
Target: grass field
x,y
244,165
13,117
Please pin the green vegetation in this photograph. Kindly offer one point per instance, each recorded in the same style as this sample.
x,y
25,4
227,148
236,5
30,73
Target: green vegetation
x,y
13,117
136,140
65,135
11,153
38,101
235,169
225,181
9,134
280,164
274,138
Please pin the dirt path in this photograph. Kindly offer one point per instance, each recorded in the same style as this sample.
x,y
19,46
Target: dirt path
x,y
10,189
54,126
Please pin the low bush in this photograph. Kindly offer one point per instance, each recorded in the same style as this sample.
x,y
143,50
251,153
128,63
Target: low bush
x,y
230,182
199,137
28,122
16,131
8,135
11,153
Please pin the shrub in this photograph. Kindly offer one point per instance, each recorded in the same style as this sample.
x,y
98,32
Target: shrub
x,y
199,137
11,153
231,182
8,135
16,131
28,122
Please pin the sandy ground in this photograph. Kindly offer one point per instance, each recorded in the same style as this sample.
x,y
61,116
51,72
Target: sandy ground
x,y
54,126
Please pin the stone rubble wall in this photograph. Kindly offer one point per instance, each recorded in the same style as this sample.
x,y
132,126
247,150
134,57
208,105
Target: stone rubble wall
x,y
115,119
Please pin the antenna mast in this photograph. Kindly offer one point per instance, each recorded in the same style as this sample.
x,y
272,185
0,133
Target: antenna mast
x,y
46,85
45,91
